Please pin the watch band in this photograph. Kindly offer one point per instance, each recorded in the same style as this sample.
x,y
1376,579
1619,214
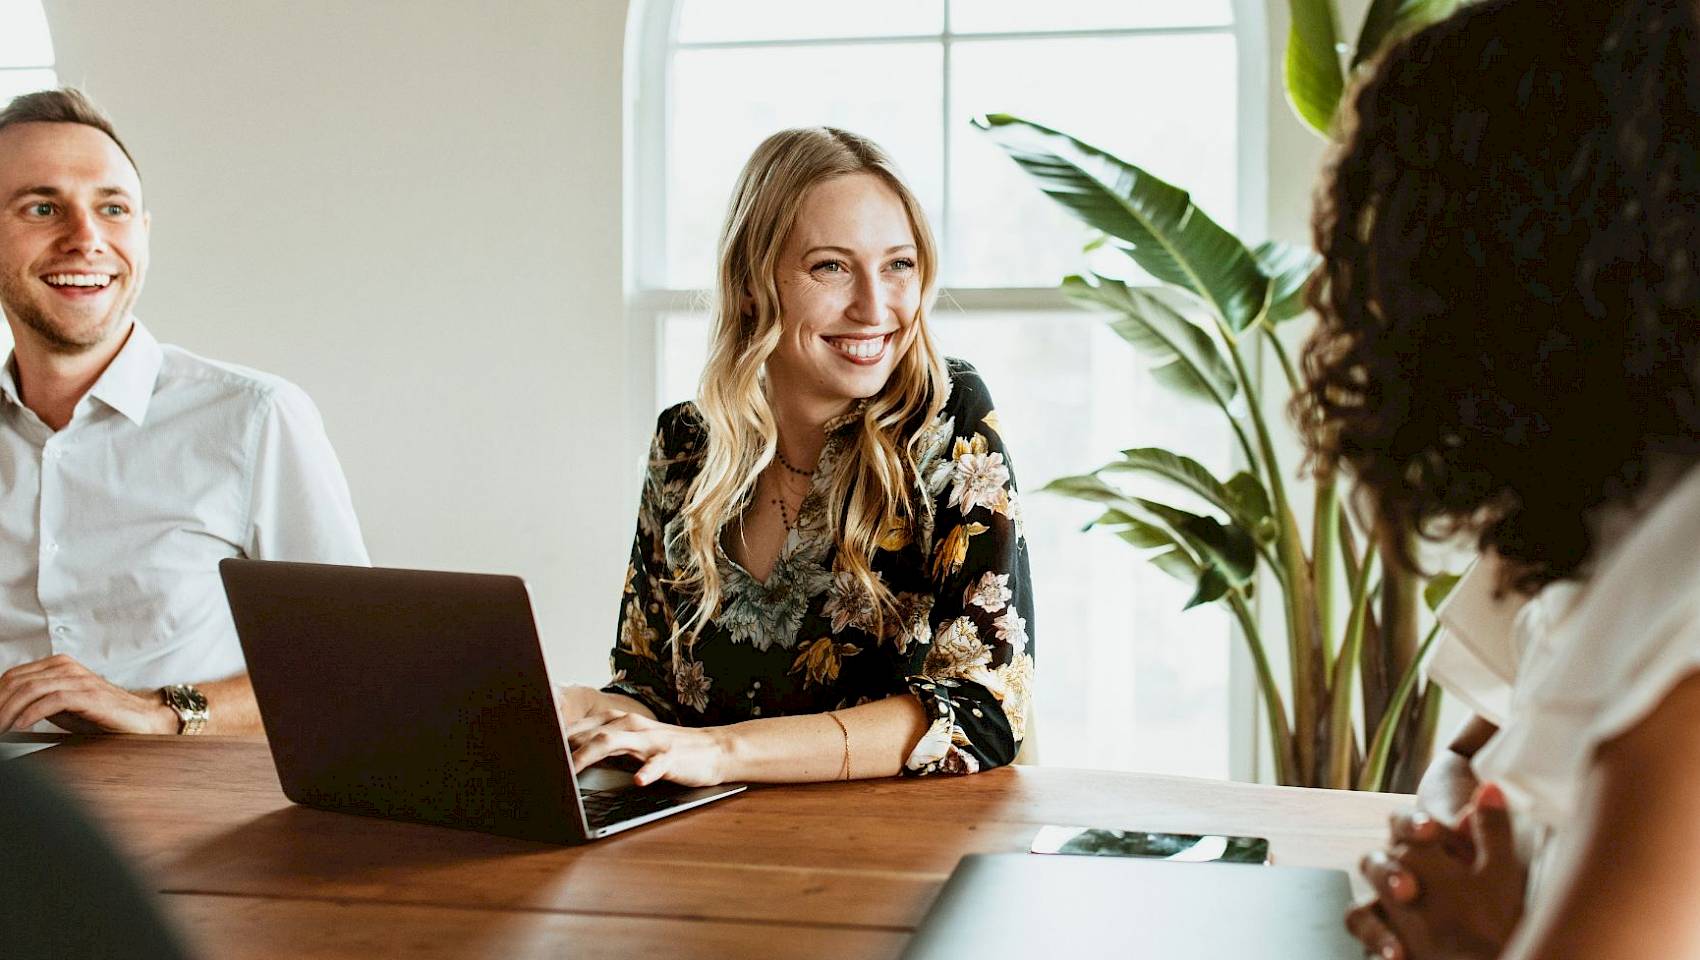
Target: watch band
x,y
190,705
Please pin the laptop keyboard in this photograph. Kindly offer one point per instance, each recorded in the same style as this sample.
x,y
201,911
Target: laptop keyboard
x,y
605,807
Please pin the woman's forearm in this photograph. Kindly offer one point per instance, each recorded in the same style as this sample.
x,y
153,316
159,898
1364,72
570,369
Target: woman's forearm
x,y
876,738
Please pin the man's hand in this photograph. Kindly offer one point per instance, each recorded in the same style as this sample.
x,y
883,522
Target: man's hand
x,y
695,757
72,696
1442,893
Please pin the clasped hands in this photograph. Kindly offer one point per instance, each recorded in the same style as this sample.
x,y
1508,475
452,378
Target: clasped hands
x,y
75,698
1444,892
599,726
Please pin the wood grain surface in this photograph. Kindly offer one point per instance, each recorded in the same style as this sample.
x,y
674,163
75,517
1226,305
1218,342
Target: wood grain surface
x,y
822,870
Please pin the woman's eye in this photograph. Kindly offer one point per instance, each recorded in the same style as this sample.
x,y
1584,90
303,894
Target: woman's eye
x,y
903,263
829,266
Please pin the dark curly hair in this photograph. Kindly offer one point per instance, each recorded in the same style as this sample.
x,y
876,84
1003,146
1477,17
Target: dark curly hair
x,y
1508,299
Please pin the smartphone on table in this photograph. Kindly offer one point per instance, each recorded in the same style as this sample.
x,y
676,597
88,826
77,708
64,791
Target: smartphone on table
x,y
1178,847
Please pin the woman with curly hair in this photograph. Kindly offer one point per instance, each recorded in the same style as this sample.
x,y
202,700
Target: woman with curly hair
x,y
1509,349
829,579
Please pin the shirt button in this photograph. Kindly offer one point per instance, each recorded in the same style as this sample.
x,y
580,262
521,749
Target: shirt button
x,y
49,547
61,630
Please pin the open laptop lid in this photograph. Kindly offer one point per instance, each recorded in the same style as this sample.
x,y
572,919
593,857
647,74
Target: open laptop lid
x,y
1021,906
408,694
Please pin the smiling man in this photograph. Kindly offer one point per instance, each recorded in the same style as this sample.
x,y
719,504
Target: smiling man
x,y
128,469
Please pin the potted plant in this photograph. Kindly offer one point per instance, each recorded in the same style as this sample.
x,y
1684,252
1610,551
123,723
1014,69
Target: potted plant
x,y
1215,300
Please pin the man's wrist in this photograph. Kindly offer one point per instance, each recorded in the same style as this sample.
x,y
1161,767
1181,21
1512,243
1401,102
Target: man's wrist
x,y
162,719
188,704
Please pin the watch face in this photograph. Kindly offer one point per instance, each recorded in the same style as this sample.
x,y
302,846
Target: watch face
x,y
185,698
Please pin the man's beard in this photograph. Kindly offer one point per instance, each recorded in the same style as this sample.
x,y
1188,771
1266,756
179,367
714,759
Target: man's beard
x,y
20,307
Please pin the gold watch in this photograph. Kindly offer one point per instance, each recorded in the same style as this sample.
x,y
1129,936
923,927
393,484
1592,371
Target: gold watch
x,y
190,704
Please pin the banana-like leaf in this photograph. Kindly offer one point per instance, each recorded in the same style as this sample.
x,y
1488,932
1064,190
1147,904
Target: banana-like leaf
x,y
1222,545
1438,589
1288,268
1087,487
1251,506
1134,530
1314,79
1183,357
1184,472
1388,20
1166,234
1209,585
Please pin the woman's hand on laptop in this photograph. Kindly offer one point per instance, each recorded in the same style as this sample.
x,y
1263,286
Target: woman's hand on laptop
x,y
692,756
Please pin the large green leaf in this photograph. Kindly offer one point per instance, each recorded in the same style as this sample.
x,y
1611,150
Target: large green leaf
x,y
1133,530
1251,506
1167,235
1388,20
1087,487
1183,357
1208,582
1288,268
1190,475
1215,543
1314,79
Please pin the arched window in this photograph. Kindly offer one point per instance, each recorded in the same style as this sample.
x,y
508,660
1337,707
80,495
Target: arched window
x,y
1125,678
26,50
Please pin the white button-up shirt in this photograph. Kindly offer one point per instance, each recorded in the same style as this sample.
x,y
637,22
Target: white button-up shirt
x,y
111,529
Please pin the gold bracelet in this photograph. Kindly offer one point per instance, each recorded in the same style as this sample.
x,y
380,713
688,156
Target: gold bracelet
x,y
845,772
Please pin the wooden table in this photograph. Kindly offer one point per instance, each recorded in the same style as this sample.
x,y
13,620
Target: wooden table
x,y
820,871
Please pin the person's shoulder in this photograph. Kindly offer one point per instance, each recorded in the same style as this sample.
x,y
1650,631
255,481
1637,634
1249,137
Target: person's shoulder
x,y
680,430
218,381
968,391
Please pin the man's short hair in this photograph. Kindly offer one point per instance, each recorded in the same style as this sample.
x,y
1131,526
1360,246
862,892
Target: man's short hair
x,y
65,105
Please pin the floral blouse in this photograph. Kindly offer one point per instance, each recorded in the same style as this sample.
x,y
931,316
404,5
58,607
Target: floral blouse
x,y
804,640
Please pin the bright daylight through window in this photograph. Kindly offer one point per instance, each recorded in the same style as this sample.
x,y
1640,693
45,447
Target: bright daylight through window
x,y
1126,679
26,52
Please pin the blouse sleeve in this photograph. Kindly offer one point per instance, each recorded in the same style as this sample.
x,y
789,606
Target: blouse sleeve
x,y
641,664
1476,658
975,677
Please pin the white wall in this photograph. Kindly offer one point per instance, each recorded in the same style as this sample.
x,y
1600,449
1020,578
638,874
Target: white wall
x,y
413,211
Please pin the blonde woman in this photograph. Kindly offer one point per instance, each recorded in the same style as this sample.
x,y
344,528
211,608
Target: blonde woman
x,y
829,579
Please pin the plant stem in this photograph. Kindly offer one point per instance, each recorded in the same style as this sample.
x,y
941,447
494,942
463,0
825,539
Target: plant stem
x,y
1322,556
1280,738
1340,735
1281,355
1304,646
1381,742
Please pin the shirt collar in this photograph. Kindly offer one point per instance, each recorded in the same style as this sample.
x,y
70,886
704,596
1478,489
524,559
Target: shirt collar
x,y
9,381
845,419
127,384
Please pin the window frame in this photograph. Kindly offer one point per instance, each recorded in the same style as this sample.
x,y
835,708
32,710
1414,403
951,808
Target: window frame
x,y
52,49
650,45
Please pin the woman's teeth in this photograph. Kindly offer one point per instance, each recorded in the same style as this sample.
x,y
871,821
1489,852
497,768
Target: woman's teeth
x,y
859,348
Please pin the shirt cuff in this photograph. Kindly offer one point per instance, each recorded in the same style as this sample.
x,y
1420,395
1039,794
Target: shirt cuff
x,y
662,708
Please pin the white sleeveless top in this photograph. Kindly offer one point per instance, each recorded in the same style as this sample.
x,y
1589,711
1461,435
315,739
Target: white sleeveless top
x,y
1575,667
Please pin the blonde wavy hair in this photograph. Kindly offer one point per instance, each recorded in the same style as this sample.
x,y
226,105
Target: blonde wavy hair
x,y
870,493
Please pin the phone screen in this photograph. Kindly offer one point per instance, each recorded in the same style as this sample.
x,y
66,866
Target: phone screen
x,y
1180,847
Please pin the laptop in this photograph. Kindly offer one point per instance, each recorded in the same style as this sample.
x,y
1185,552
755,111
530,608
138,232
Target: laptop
x,y
423,696
1024,906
